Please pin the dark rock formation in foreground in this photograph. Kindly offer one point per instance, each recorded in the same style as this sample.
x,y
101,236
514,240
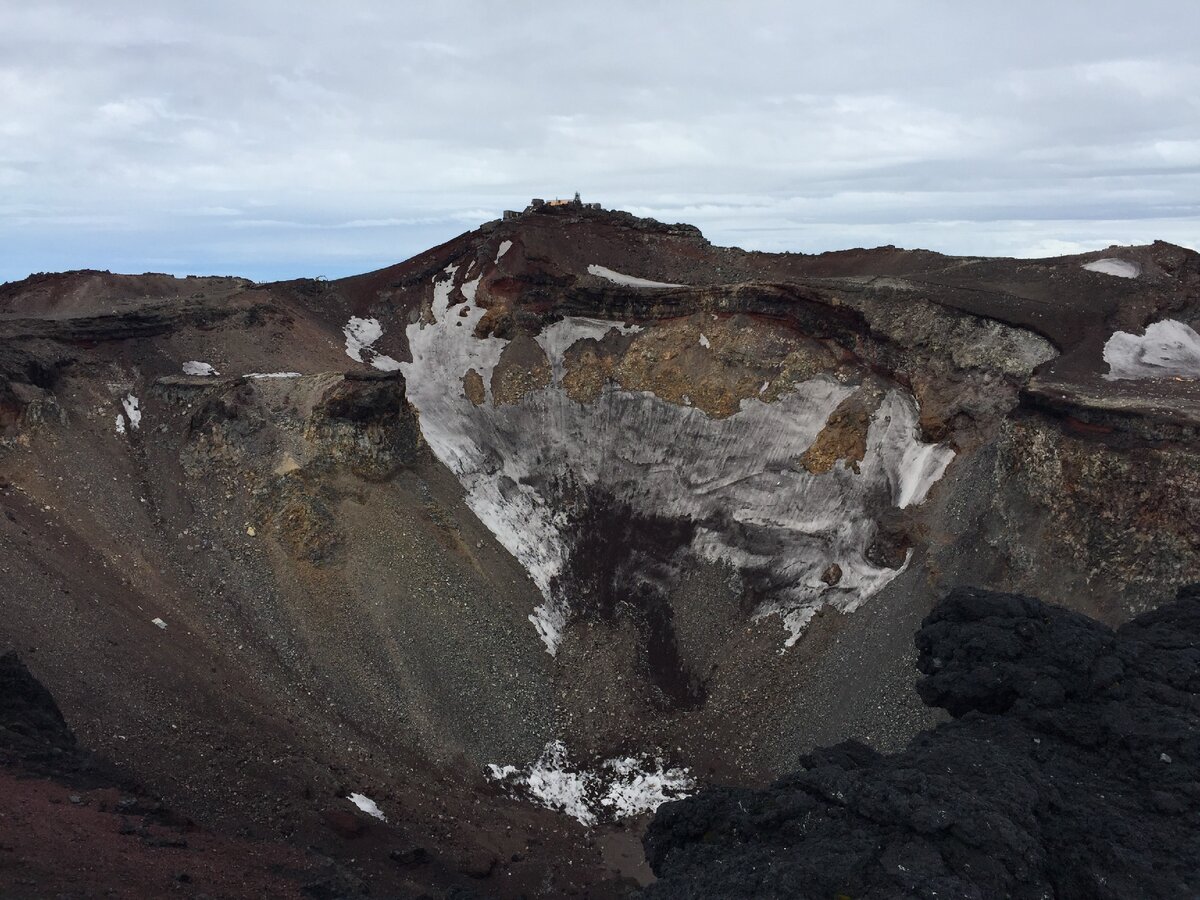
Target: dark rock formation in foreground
x,y
1071,770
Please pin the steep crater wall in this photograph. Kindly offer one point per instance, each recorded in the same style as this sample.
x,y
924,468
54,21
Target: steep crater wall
x,y
585,444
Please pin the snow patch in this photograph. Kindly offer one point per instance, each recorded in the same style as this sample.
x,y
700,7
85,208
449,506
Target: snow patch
x,y
1168,349
619,788
919,467
273,375
133,411
1121,268
195,367
629,280
549,619
120,423
367,805
505,246
385,363
704,342
361,334
637,789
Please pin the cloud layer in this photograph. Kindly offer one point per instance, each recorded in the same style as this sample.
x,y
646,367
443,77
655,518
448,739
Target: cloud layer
x,y
313,139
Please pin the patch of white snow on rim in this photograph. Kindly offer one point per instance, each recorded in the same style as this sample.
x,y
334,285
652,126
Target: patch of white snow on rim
x,y
629,280
1120,268
617,789
120,423
361,334
195,367
133,411
1168,349
505,246
385,363
273,375
704,342
367,805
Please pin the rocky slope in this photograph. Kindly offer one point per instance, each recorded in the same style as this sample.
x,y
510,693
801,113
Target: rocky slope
x,y
1070,770
76,826
575,509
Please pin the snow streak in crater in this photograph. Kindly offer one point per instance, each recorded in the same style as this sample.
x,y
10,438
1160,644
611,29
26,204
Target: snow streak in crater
x,y
195,367
133,411
360,335
1118,268
1168,349
628,280
367,805
524,465
617,789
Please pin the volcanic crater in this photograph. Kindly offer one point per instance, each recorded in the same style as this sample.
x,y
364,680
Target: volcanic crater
x,y
571,516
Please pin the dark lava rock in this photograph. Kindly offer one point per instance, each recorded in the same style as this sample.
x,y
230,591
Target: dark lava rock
x,y
368,398
164,841
1071,770
31,725
35,738
414,856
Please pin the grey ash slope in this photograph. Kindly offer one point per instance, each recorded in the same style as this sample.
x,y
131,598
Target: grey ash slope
x,y
345,613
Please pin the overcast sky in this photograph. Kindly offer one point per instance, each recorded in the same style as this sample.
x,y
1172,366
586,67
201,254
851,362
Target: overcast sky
x,y
278,139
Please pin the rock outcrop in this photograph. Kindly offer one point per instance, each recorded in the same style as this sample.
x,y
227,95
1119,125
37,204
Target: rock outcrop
x,y
1071,769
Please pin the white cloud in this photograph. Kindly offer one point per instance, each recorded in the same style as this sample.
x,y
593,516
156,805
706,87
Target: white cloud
x,y
767,124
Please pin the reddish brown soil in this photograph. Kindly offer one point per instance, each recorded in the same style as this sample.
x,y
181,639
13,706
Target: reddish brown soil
x,y
59,842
